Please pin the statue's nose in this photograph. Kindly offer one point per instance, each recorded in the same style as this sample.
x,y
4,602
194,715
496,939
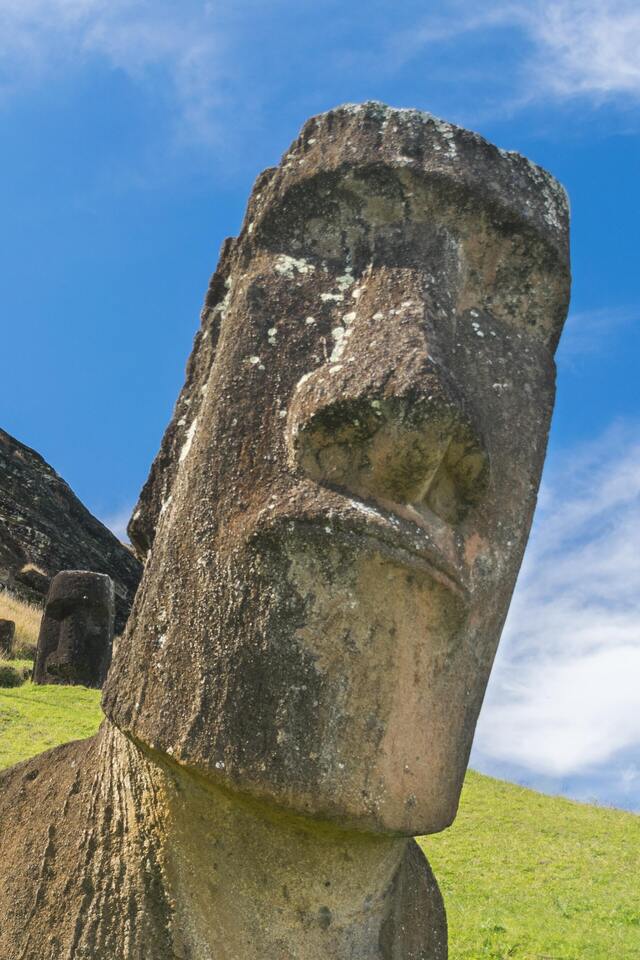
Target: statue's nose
x,y
388,431
417,451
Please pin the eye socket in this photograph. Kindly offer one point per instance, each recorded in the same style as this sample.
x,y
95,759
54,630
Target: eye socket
x,y
420,454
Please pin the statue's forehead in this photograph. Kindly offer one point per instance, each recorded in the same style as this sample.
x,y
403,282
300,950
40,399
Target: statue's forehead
x,y
372,198
446,268
494,262
383,146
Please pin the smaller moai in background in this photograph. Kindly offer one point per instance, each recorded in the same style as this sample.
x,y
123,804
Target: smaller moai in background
x,y
76,634
7,634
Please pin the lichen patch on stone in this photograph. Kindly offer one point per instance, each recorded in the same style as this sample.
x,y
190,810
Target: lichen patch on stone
x,y
191,432
288,266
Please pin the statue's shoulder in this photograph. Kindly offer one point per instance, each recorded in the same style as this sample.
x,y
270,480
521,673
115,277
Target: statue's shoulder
x,y
416,928
78,877
36,833
48,771
34,796
38,842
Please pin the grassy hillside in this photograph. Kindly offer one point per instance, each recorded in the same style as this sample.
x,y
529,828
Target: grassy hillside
x,y
538,878
524,876
34,718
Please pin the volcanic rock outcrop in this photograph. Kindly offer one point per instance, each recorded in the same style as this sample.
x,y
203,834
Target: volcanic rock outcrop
x,y
338,515
44,528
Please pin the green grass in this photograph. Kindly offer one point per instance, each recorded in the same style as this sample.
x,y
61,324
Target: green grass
x,y
533,877
21,664
36,718
524,876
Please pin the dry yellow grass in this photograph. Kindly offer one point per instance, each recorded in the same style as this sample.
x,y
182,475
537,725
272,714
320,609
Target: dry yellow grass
x,y
29,567
26,617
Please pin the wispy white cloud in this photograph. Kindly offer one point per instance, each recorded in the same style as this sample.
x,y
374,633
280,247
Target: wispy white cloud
x,y
584,47
199,55
588,48
564,699
590,331
170,48
117,523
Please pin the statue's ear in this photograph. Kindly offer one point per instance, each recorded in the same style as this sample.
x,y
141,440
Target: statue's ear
x,y
159,484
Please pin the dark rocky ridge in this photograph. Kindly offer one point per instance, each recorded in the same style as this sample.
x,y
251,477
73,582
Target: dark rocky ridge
x,y
44,525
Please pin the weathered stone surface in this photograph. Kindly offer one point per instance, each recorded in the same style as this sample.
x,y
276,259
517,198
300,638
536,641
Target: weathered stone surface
x,y
333,529
81,874
76,633
44,528
375,418
7,633
118,870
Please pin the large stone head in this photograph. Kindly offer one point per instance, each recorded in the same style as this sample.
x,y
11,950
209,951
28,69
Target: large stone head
x,y
76,633
341,503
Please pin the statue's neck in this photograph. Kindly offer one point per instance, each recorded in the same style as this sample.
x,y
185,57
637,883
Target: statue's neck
x,y
248,882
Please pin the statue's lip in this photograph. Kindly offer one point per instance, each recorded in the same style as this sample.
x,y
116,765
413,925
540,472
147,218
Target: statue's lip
x,y
414,539
411,540
408,540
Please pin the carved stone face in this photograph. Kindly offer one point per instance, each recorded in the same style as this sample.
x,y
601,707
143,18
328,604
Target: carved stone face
x,y
351,501
74,645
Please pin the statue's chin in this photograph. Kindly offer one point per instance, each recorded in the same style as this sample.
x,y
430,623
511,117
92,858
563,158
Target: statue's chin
x,y
341,691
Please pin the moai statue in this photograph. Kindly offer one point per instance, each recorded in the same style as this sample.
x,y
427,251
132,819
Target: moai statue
x,y
76,633
7,634
333,530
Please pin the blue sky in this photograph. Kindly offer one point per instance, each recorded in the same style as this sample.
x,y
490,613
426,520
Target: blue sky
x,y
131,134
